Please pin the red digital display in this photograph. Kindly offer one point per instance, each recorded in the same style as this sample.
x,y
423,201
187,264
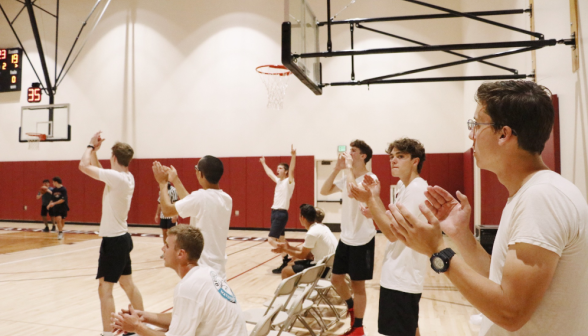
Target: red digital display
x,y
34,95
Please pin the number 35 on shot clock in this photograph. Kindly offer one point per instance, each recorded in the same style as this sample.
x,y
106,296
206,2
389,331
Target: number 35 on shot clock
x,y
34,94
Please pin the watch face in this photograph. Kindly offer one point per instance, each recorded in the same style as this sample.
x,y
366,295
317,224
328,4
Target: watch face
x,y
438,263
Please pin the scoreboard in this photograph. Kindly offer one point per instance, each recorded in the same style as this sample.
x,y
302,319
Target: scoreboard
x,y
10,69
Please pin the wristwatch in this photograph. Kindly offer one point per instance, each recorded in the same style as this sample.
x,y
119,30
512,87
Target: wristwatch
x,y
440,261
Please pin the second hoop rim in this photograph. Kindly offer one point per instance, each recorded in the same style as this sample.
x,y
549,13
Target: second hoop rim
x,y
271,66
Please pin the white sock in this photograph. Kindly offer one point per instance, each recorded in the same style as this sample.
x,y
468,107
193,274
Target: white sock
x,y
107,333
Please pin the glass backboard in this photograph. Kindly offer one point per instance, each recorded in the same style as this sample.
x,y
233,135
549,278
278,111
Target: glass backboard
x,y
300,35
52,120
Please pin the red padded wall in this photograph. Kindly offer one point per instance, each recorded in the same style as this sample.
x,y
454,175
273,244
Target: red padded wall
x,y
244,179
238,181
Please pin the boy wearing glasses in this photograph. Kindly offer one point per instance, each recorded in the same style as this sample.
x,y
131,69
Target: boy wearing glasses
x,y
535,281
209,208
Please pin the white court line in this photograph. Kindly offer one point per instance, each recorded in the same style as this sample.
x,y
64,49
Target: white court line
x,y
49,255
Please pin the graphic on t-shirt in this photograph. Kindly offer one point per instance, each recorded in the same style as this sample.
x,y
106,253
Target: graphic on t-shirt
x,y
222,287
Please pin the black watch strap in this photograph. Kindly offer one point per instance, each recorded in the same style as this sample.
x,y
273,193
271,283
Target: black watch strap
x,y
90,146
444,256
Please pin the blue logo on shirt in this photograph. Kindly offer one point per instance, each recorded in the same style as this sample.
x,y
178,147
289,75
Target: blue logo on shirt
x,y
223,288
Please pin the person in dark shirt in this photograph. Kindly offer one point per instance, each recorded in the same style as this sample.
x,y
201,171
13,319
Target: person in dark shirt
x,y
59,205
45,195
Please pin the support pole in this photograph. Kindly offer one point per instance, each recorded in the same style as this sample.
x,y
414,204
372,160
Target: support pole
x,y
352,60
41,55
329,44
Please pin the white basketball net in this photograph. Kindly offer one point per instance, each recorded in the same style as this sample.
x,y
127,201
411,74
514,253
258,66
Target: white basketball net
x,y
275,78
34,144
35,139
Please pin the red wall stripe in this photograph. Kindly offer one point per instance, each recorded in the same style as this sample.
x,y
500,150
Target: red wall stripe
x,y
244,179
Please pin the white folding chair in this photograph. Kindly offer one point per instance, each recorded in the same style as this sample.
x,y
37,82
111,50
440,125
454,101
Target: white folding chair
x,y
282,297
299,306
309,277
264,325
322,289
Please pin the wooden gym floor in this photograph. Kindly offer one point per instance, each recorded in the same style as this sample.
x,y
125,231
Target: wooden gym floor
x,y
48,287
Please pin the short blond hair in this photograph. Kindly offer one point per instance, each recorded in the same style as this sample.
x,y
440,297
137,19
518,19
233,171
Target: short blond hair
x,y
189,239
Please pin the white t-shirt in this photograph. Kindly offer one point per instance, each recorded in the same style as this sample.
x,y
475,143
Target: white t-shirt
x,y
282,194
550,212
404,269
210,211
204,304
356,230
116,201
320,240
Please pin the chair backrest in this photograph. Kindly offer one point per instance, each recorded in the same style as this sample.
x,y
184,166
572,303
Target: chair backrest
x,y
286,287
296,307
311,274
264,326
329,261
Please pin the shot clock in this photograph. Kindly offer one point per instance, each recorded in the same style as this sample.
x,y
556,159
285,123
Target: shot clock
x,y
34,93
10,69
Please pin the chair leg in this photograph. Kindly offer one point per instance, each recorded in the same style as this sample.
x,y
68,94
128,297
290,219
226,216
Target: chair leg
x,y
330,304
303,321
319,319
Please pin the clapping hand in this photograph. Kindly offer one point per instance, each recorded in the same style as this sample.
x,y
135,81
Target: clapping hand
x,y
160,172
126,320
453,215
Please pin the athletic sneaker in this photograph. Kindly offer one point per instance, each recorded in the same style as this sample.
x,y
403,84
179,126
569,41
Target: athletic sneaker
x,y
357,331
46,229
60,235
53,228
285,262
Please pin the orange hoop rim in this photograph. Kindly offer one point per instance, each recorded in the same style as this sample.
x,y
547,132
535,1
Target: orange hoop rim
x,y
280,67
41,136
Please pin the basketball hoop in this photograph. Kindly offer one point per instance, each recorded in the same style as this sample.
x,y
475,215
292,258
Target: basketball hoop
x,y
275,78
35,139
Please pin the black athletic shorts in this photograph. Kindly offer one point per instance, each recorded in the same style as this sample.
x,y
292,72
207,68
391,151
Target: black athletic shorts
x,y
357,261
279,221
45,212
166,223
115,257
59,211
399,313
301,265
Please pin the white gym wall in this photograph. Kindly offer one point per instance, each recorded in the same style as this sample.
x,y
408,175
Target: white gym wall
x,y
177,79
